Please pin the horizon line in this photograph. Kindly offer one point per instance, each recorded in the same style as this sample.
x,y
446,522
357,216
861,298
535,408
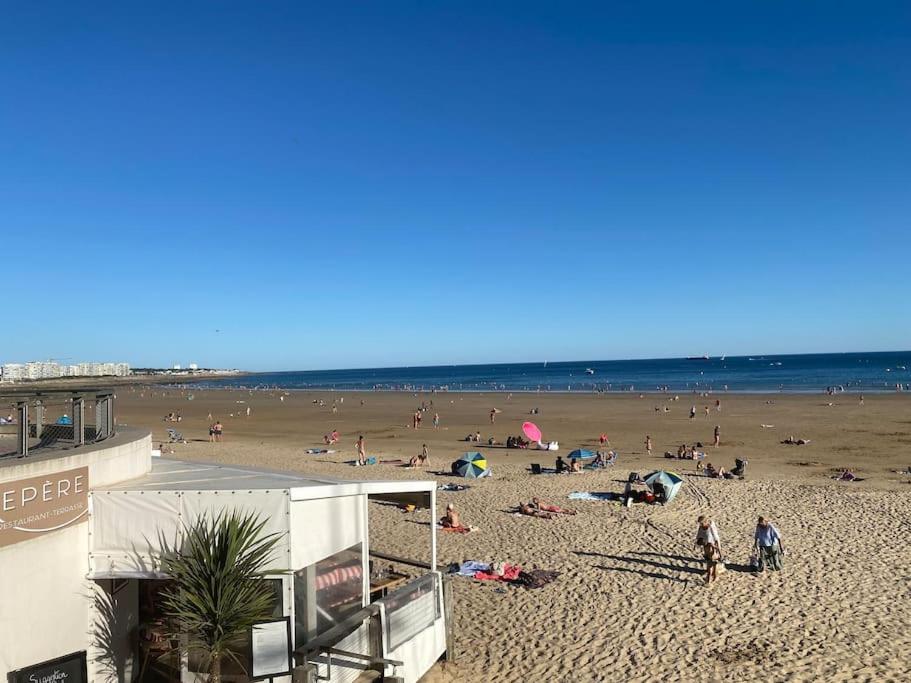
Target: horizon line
x,y
590,360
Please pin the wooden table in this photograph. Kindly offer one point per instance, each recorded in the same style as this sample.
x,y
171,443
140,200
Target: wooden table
x,y
379,588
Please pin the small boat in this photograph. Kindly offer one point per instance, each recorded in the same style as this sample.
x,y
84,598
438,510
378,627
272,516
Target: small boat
x,y
589,371
698,358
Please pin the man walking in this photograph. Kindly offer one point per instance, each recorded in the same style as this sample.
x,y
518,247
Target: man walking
x,y
768,545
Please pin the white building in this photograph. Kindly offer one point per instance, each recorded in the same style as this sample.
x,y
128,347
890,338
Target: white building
x,y
193,366
34,370
80,589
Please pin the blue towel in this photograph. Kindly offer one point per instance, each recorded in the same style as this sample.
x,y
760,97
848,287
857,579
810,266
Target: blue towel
x,y
472,567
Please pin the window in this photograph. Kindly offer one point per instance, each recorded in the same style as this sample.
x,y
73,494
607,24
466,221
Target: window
x,y
327,592
411,609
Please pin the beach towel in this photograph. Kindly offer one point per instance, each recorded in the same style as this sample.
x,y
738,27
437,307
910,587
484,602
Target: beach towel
x,y
456,529
594,495
370,461
536,578
318,451
472,567
453,487
510,573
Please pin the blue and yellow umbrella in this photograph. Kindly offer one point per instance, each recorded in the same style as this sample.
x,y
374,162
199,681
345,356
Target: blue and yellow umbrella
x,y
471,466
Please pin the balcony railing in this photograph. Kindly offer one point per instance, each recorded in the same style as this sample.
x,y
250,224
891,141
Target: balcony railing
x,y
36,422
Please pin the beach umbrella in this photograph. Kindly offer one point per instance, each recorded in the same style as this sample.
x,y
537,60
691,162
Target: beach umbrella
x,y
471,466
670,481
581,454
531,431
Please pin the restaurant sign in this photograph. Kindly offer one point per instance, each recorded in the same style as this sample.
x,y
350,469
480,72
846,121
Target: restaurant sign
x,y
69,669
39,505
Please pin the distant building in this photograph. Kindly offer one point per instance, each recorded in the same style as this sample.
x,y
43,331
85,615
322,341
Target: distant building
x,y
193,366
35,370
176,367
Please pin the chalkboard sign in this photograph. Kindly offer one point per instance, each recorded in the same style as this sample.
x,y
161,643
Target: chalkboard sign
x,y
69,669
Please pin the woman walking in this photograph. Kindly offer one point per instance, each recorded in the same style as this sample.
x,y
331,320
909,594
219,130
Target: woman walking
x,y
707,536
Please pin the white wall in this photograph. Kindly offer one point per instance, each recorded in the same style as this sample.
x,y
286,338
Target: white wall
x,y
324,526
45,598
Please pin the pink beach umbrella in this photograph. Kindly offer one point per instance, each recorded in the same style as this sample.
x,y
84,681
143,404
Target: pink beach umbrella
x,y
531,431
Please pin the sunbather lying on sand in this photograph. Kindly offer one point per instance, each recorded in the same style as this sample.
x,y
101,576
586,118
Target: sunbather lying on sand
x,y
847,475
791,441
544,507
710,471
526,509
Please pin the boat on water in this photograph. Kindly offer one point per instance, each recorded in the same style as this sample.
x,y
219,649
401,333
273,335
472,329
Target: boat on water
x,y
698,358
589,371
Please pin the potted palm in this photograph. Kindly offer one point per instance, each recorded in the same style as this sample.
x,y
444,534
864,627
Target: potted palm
x,y
217,591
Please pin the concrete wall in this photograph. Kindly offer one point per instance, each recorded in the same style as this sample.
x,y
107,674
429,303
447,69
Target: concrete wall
x,y
45,599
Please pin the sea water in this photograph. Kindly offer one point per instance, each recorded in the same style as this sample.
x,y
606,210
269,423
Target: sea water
x,y
853,372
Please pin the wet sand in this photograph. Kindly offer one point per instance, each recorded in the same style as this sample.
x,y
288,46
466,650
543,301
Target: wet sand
x,y
630,604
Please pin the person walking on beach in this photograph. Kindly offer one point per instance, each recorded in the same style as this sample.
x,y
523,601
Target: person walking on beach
x,y
717,436
436,420
768,545
648,444
603,439
692,412
707,536
493,415
361,451
218,429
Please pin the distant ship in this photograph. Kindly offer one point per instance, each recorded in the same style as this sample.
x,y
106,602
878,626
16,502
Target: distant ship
x,y
698,358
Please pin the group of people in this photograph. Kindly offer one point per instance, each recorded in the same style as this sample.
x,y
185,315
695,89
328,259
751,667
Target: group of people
x,y
685,452
421,458
216,429
173,417
561,467
768,550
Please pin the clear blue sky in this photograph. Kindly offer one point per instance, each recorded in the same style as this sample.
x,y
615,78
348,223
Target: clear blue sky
x,y
386,183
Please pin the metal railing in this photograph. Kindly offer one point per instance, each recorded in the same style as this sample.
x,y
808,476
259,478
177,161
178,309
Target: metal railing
x,y
33,422
400,616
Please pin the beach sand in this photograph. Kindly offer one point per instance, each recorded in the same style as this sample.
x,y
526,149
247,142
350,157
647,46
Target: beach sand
x,y
630,604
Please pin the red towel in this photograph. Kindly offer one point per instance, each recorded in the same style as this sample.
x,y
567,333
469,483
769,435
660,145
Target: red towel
x,y
510,573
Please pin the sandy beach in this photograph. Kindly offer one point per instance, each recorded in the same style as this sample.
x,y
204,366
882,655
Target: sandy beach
x,y
630,604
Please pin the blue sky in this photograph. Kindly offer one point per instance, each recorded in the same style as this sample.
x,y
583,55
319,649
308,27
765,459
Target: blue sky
x,y
363,184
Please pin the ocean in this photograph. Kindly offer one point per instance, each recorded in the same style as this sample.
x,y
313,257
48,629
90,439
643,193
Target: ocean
x,y
805,373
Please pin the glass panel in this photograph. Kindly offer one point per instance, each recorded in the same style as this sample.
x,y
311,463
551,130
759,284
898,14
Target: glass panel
x,y
230,667
158,659
327,592
411,609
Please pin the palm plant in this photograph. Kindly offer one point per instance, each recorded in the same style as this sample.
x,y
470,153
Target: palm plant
x,y
217,593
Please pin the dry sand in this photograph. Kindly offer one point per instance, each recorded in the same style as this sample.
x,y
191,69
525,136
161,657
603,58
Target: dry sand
x,y
630,604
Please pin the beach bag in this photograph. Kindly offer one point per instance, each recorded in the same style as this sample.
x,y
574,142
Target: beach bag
x,y
754,561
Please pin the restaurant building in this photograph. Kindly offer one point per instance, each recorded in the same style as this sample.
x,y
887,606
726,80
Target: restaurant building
x,y
80,533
